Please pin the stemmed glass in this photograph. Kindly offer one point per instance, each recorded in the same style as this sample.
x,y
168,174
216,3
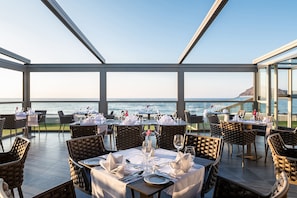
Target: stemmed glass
x,y
178,141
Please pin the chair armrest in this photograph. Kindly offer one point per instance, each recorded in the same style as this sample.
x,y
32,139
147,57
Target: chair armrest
x,y
195,119
6,157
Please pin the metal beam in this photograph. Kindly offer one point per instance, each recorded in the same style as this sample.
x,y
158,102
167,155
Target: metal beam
x,y
11,65
277,52
207,21
65,19
142,67
14,56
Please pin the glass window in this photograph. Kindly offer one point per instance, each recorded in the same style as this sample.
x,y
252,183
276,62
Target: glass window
x,y
294,81
217,85
64,85
262,84
11,85
142,85
282,82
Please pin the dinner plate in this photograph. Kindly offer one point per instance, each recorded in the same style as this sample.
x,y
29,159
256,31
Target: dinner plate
x,y
155,179
92,162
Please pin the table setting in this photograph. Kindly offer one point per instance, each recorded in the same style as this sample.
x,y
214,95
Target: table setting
x,y
150,166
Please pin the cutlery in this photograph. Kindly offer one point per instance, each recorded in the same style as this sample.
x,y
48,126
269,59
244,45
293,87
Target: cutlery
x,y
132,176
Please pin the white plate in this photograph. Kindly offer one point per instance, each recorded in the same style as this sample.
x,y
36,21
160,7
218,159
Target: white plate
x,y
92,161
156,179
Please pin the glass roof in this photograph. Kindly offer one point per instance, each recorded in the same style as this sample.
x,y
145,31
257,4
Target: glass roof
x,y
147,31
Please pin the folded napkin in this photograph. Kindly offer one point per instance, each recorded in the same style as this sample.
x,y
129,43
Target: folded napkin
x,y
88,121
129,120
165,119
181,164
99,117
114,165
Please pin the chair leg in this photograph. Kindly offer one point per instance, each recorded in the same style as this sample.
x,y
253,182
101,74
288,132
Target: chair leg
x,y
255,151
20,192
242,163
2,145
266,153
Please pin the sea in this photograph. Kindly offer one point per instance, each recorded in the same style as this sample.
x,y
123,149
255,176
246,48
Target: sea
x,y
162,106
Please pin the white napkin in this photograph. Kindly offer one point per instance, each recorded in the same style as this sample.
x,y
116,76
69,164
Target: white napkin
x,y
114,165
129,120
88,121
99,117
165,119
181,164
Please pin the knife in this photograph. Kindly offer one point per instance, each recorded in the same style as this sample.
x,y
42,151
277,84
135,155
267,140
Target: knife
x,y
132,176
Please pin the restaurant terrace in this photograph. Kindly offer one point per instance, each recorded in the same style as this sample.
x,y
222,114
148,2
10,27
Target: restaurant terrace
x,y
168,87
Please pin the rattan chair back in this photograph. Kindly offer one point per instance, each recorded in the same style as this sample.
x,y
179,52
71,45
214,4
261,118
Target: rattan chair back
x,y
82,130
11,122
2,121
205,146
86,147
166,135
213,118
41,117
233,133
211,177
288,136
12,164
284,159
128,136
79,149
65,190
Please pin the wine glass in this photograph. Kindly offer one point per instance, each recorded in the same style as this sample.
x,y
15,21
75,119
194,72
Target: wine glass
x,y
178,141
190,150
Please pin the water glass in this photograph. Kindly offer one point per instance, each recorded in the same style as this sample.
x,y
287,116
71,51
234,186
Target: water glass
x,y
147,151
178,141
190,150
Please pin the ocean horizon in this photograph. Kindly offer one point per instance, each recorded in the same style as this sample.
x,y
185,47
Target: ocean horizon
x,y
162,105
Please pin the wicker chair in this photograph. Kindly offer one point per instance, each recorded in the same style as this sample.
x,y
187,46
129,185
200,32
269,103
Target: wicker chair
x,y
65,190
2,121
41,118
233,133
226,188
211,177
206,147
79,149
215,126
284,159
128,136
64,119
166,134
12,164
82,130
11,123
288,135
193,119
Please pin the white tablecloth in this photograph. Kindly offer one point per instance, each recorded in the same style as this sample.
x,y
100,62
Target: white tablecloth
x,y
107,185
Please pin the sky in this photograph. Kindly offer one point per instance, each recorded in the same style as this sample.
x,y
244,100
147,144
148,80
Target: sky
x,y
147,31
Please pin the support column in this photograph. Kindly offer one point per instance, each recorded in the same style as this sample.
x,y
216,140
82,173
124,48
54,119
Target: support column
x,y
180,94
103,83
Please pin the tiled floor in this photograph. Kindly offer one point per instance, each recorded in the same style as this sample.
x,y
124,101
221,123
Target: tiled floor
x,y
46,166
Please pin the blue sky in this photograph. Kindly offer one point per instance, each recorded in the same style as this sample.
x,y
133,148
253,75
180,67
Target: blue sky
x,y
147,31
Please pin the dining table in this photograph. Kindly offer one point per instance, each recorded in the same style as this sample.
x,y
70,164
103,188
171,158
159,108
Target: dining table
x,y
31,121
106,184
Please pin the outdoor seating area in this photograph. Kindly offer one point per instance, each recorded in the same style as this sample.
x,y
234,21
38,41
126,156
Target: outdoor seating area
x,y
147,99
220,167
